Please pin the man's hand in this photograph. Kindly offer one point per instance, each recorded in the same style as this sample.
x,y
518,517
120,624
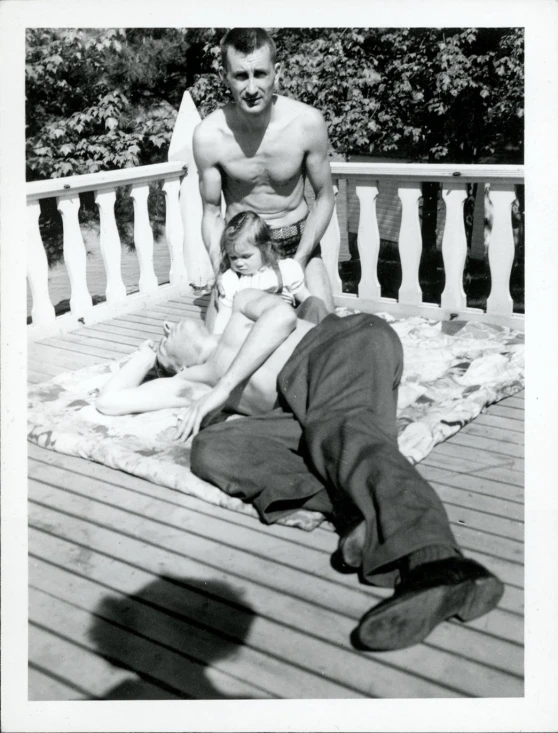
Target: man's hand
x,y
207,406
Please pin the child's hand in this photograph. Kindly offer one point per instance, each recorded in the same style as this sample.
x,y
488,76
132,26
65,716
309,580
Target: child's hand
x,y
287,297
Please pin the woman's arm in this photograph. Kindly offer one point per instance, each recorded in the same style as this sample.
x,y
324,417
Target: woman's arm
x,y
125,394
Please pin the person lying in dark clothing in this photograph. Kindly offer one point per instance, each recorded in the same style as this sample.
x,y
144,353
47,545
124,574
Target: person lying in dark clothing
x,y
319,394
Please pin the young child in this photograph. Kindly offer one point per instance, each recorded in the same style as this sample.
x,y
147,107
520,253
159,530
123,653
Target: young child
x,y
249,260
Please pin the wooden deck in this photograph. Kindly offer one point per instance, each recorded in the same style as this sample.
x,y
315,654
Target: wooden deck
x,y
140,592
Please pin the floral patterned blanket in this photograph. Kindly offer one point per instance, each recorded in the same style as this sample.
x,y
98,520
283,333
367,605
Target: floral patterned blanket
x,y
447,381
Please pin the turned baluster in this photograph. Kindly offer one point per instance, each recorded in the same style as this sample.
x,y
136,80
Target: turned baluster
x,y
75,257
42,311
410,244
501,249
143,238
454,247
368,242
110,246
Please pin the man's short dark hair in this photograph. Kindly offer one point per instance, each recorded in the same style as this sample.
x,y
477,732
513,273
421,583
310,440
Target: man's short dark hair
x,y
245,41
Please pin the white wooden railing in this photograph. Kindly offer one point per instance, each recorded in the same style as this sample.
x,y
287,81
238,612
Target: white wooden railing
x,y
369,177
66,191
190,263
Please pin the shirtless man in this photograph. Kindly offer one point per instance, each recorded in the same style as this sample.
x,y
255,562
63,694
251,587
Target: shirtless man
x,y
258,151
321,435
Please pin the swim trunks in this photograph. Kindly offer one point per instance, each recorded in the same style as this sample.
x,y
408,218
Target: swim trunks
x,y
287,239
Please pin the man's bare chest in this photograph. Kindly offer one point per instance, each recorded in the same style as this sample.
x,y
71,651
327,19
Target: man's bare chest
x,y
276,162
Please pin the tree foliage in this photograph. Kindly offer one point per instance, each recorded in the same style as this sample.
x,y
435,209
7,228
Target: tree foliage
x,y
100,99
448,95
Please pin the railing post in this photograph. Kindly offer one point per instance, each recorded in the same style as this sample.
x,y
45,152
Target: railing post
x,y
110,246
42,311
368,242
501,249
174,232
410,244
143,238
454,247
74,254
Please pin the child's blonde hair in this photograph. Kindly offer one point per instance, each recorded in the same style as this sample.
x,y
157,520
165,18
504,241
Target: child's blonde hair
x,y
250,228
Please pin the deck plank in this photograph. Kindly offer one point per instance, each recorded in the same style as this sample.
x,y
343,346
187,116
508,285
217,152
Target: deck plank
x,y
503,474
509,412
473,482
46,684
497,421
490,445
285,604
101,539
499,435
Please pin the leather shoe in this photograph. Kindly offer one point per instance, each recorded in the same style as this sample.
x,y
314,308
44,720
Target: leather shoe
x,y
428,595
348,556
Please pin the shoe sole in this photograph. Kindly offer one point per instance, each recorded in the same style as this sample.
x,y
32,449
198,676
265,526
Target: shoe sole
x,y
487,592
400,623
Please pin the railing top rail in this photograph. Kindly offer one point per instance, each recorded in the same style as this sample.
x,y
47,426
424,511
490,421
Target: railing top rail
x,y
103,180
429,171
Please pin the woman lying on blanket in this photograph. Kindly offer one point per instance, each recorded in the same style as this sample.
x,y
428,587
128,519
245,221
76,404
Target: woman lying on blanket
x,y
249,260
201,361
330,446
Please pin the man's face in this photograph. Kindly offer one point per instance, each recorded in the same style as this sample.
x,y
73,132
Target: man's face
x,y
251,79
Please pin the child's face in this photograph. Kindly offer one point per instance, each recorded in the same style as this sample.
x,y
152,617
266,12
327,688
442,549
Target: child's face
x,y
246,259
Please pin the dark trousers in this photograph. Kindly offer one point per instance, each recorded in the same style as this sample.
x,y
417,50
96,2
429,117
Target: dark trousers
x,y
332,445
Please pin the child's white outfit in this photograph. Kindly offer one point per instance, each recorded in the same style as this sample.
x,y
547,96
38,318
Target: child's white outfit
x,y
286,277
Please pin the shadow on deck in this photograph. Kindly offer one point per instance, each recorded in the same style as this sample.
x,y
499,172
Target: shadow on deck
x,y
140,592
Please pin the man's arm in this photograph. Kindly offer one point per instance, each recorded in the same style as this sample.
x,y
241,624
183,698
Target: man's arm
x,y
274,320
125,394
319,174
210,189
